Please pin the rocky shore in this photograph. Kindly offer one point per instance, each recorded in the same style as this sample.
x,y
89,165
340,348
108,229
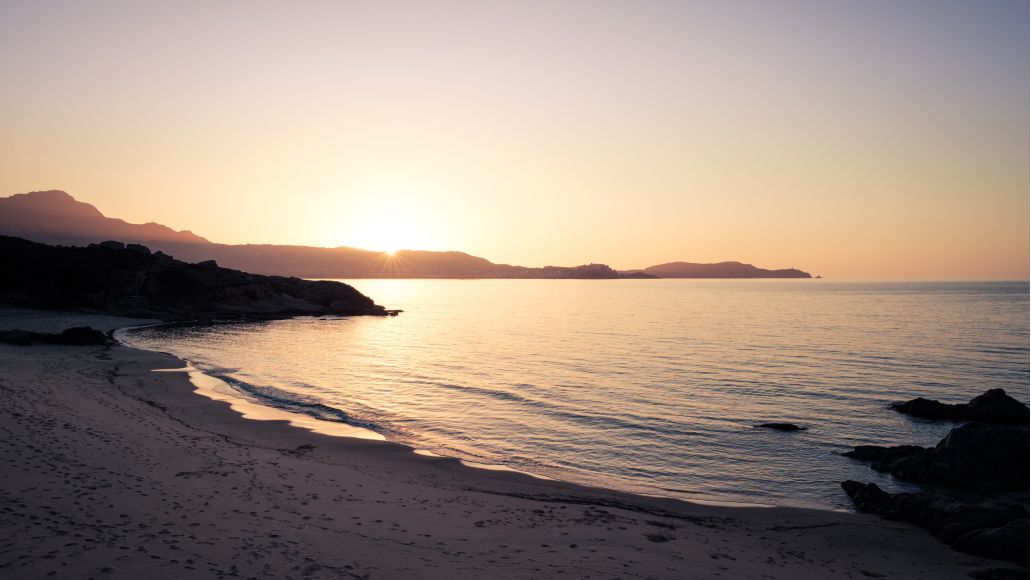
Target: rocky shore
x,y
977,501
994,406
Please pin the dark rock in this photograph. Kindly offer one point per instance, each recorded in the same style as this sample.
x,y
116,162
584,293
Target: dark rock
x,y
990,528
339,306
78,336
868,497
926,408
883,457
208,264
780,426
1006,542
18,337
112,279
999,574
993,406
976,456
138,249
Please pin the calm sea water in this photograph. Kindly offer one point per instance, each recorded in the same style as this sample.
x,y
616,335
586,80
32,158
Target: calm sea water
x,y
650,386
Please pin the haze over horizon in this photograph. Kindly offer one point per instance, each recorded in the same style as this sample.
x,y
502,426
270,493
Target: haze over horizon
x,y
852,140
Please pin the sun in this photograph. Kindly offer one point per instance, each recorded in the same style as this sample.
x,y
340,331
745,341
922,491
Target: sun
x,y
391,232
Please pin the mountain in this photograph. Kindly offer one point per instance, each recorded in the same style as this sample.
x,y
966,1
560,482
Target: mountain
x,y
55,217
720,270
133,281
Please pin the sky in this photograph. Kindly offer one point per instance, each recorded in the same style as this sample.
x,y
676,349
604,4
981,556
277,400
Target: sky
x,y
869,139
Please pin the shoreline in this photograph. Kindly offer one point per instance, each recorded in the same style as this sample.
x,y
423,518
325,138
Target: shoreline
x,y
261,411
205,385
170,484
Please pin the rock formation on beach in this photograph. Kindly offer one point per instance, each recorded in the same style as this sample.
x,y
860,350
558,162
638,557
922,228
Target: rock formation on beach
x,y
132,281
973,461
985,527
76,336
993,406
974,456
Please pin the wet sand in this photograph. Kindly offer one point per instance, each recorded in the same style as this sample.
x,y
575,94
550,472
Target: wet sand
x,y
110,470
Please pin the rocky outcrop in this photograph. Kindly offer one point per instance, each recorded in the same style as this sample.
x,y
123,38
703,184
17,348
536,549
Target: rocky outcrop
x,y
973,456
883,457
131,281
987,455
77,336
999,574
991,528
780,426
994,406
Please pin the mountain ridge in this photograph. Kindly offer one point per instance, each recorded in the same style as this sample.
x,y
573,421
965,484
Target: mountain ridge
x,y
56,217
60,206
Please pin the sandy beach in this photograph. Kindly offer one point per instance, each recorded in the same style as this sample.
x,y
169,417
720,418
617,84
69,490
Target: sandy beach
x,y
110,470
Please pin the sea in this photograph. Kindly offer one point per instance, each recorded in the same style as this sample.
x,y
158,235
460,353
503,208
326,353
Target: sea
x,y
647,386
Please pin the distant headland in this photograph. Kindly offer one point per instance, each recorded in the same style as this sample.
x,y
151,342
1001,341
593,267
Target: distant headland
x,y
55,217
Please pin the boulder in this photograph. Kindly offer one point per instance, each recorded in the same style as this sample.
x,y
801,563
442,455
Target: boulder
x,y
16,336
990,528
77,336
80,336
780,426
993,406
1006,542
974,456
883,455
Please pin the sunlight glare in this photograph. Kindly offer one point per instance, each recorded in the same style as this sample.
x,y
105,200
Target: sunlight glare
x,y
390,229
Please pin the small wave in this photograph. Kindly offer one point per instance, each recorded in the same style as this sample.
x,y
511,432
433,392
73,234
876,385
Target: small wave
x,y
295,403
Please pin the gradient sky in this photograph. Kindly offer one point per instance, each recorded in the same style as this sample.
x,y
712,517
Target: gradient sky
x,y
860,139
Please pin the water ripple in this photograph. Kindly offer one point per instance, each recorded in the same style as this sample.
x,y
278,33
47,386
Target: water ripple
x,y
650,386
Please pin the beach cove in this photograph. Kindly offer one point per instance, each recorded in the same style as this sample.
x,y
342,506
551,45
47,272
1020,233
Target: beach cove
x,y
115,471
652,387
